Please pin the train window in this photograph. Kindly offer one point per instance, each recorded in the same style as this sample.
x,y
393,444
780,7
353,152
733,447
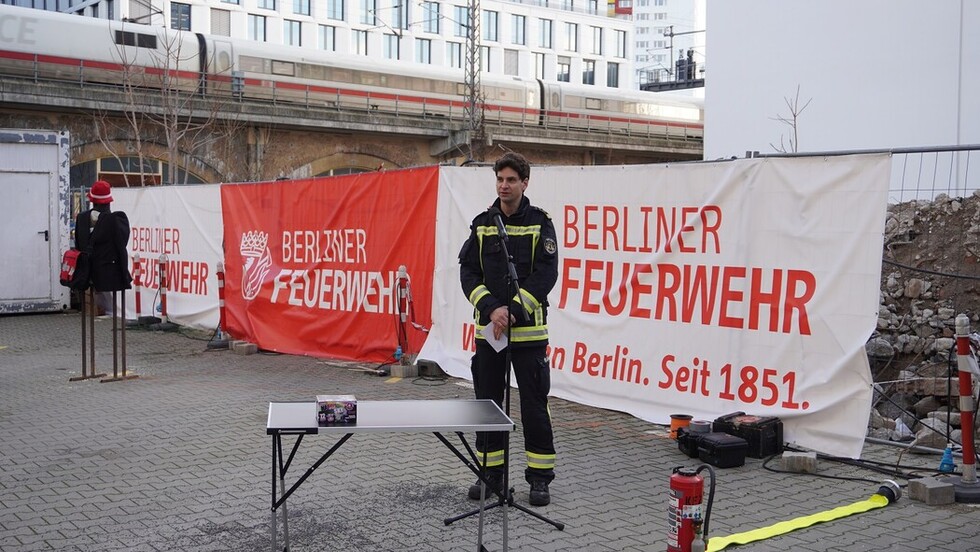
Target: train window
x,y
128,38
556,100
311,71
368,78
146,41
396,81
284,68
252,64
593,103
341,75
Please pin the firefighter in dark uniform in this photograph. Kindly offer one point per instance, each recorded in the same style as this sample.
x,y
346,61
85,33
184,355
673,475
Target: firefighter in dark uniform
x,y
532,244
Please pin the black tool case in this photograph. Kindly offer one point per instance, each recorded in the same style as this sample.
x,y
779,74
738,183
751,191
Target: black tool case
x,y
722,450
764,434
687,441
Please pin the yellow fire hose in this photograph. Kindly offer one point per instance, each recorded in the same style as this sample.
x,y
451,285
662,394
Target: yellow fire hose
x,y
888,492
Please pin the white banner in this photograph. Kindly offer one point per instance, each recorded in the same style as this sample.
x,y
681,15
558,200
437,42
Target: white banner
x,y
185,224
703,289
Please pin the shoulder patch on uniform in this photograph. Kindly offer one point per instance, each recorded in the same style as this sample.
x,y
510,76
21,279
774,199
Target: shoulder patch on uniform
x,y
536,208
550,246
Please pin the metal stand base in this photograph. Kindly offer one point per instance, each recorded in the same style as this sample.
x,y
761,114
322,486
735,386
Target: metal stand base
x,y
509,501
968,493
80,378
120,378
164,327
218,344
147,320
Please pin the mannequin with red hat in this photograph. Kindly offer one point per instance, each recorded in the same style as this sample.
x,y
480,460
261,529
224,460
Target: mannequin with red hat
x,y
102,235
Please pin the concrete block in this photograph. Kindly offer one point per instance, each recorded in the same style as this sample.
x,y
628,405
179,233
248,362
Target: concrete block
x,y
800,462
932,491
244,348
429,368
404,371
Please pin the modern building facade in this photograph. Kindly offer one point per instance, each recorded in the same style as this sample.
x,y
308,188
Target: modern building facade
x,y
664,32
575,41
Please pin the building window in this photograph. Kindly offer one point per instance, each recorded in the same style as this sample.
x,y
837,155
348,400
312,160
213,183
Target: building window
x,y
369,10
301,7
292,33
360,42
392,47
220,22
460,20
564,69
545,33
431,17
571,37
659,16
235,2
518,30
538,65
490,19
620,44
401,14
335,9
180,16
327,38
266,4
597,41
588,71
256,27
612,75
568,5
511,63
485,59
423,50
454,51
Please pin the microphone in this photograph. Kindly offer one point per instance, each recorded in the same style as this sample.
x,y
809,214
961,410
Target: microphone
x,y
501,229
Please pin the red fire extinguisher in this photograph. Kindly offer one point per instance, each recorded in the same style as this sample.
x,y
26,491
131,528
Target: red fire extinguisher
x,y
687,513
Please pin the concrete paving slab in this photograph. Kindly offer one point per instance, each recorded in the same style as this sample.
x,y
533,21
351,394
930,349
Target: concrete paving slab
x,y
178,459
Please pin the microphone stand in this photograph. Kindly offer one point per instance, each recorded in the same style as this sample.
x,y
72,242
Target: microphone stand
x,y
506,497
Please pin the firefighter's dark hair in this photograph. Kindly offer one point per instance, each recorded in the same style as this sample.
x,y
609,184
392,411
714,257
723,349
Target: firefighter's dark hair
x,y
514,161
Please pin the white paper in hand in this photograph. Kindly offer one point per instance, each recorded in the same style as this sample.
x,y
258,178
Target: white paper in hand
x,y
498,344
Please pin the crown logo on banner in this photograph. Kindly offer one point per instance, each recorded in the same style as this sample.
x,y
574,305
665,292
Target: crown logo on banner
x,y
256,262
254,243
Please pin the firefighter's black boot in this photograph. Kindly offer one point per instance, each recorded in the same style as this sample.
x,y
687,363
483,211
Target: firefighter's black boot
x,y
539,495
495,484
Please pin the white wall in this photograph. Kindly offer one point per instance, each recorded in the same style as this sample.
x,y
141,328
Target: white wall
x,y
879,74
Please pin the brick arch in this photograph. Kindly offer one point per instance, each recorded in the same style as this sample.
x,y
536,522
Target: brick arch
x,y
91,152
347,163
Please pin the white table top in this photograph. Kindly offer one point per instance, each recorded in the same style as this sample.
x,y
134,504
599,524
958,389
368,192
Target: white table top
x,y
394,416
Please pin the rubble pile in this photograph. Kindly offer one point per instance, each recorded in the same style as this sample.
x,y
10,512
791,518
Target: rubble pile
x,y
930,274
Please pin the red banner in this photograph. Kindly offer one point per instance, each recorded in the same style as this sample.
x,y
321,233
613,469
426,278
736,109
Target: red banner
x,y
312,266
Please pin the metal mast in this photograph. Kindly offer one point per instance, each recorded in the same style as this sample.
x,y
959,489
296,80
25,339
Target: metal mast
x,y
474,94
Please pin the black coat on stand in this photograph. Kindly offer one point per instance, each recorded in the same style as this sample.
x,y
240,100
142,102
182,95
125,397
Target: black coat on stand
x,y
105,245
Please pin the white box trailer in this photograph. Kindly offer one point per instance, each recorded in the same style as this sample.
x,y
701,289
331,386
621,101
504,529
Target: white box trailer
x,y
34,175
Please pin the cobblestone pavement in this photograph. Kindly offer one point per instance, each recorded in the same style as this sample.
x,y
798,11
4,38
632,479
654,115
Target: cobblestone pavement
x,y
178,459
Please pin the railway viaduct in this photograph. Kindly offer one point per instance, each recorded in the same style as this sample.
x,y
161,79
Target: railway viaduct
x,y
241,141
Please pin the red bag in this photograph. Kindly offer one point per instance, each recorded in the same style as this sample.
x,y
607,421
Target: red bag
x,y
69,262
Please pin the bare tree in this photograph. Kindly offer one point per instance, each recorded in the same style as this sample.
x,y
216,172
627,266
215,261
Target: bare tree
x,y
163,102
792,121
